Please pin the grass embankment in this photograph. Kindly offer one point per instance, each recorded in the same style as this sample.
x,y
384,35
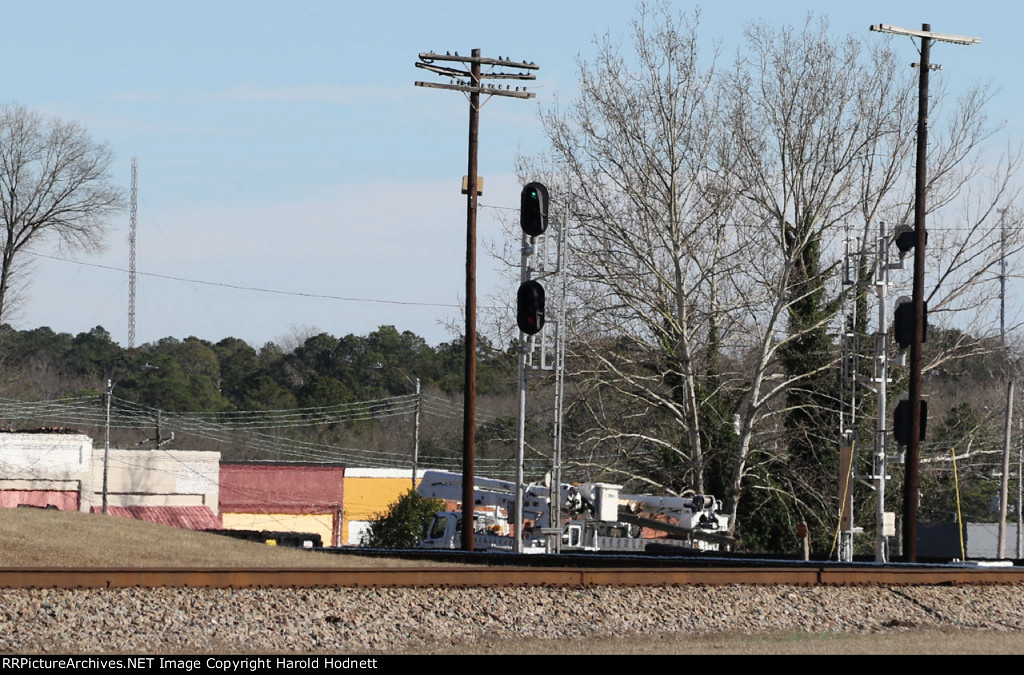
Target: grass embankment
x,y
44,538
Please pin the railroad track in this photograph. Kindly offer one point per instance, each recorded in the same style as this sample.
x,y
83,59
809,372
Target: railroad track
x,y
475,576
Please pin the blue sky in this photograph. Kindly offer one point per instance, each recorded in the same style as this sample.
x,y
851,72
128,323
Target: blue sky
x,y
283,146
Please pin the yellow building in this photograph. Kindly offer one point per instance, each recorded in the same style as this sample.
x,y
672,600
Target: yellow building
x,y
369,493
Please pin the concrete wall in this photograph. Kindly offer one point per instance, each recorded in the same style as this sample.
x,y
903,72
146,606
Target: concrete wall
x,y
333,501
330,500
156,478
983,541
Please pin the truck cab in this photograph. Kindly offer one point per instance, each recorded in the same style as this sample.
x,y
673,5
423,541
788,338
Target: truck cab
x,y
443,530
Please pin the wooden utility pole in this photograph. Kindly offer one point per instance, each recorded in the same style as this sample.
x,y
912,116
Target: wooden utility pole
x,y
471,82
910,483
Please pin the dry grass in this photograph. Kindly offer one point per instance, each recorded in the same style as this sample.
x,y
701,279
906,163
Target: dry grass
x,y
61,539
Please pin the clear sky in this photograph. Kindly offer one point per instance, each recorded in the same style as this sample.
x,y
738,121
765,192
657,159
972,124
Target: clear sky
x,y
282,145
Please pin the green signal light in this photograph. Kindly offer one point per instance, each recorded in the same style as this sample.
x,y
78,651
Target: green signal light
x,y
534,209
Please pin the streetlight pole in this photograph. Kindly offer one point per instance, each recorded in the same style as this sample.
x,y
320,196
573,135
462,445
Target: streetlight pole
x,y
910,484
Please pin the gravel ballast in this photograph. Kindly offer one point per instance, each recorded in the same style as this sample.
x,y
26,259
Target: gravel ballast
x,y
432,620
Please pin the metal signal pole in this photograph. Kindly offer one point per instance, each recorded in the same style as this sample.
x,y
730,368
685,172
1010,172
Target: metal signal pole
x,y
910,484
471,82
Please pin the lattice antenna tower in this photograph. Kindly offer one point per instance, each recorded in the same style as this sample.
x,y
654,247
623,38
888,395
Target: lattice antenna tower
x,y
131,254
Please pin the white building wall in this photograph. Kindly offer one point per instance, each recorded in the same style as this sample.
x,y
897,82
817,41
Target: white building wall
x,y
382,473
134,477
46,462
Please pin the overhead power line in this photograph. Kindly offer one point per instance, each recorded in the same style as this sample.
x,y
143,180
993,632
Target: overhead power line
x,y
260,433
255,289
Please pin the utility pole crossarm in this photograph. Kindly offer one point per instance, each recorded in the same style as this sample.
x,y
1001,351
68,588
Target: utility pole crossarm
x,y
941,37
490,91
508,76
442,70
470,81
482,60
453,72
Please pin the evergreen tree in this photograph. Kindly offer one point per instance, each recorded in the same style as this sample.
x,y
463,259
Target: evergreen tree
x,y
402,526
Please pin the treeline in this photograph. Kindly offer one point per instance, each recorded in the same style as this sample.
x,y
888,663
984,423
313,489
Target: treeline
x,y
347,399
196,375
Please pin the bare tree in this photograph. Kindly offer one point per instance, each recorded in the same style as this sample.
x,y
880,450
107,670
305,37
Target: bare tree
x,y
827,134
973,223
54,184
807,113
637,156
707,211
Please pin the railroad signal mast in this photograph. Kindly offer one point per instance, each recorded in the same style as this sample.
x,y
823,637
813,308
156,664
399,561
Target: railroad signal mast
x,y
466,74
531,318
902,326
877,383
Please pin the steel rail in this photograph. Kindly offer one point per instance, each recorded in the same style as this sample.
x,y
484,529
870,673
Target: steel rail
x,y
803,575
